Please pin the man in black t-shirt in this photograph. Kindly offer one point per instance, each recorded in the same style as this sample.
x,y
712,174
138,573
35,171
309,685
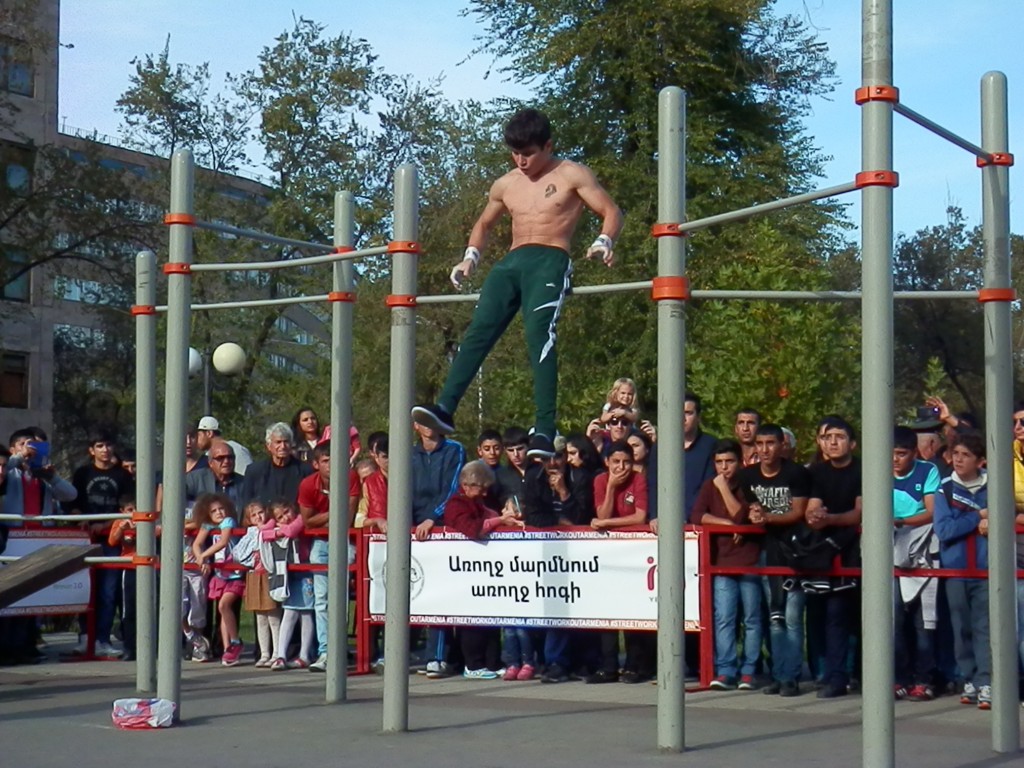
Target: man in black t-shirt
x,y
833,514
100,485
777,491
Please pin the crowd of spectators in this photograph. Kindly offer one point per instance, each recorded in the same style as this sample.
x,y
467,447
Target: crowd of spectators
x,y
781,634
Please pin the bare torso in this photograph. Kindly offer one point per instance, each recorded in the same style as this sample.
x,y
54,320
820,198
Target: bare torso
x,y
546,209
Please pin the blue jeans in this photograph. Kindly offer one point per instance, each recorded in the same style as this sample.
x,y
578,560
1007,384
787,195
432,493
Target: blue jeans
x,y
787,637
730,593
518,646
318,556
108,594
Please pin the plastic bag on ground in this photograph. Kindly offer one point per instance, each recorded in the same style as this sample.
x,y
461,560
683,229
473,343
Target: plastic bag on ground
x,y
143,713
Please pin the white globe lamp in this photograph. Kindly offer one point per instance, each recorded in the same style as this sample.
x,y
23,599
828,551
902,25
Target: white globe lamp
x,y
229,358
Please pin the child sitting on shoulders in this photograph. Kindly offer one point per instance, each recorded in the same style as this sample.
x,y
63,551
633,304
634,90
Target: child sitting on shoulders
x,y
297,600
466,513
214,513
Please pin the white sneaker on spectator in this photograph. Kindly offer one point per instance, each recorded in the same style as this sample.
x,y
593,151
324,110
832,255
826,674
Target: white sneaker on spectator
x,y
82,646
201,650
107,651
320,665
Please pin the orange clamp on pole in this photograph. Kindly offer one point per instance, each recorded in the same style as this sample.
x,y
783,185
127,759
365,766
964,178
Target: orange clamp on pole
x,y
986,295
670,288
400,300
341,296
143,309
144,517
180,218
343,249
403,246
996,158
877,179
877,93
177,268
667,230
145,560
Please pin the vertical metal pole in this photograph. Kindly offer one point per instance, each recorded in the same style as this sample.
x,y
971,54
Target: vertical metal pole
x,y
878,728
671,389
341,419
403,364
145,484
207,383
1002,556
179,299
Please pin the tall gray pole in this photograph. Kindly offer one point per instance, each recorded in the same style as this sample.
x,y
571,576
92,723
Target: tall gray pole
x,y
179,297
145,484
878,731
878,727
671,388
341,419
1002,556
403,377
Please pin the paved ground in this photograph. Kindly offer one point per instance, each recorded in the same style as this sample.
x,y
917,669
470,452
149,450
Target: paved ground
x,y
58,714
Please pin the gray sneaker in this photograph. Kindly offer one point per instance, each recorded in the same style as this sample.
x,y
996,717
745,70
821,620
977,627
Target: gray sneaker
x,y
438,669
320,665
201,650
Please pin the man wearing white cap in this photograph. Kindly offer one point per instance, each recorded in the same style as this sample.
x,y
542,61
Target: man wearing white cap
x,y
208,429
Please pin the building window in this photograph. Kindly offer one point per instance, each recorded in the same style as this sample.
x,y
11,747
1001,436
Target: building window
x,y
13,380
19,288
17,75
16,164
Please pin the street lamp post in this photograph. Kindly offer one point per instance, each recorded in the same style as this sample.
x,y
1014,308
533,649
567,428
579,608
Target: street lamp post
x,y
228,358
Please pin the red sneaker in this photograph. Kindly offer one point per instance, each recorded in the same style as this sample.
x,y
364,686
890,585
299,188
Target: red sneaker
x,y
921,692
232,654
511,672
526,673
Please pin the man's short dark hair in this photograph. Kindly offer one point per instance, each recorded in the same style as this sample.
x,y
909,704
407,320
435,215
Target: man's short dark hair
x,y
528,128
376,440
20,434
728,446
515,436
769,430
751,411
972,441
905,438
967,419
837,422
488,434
100,436
620,446
322,450
689,397
1018,406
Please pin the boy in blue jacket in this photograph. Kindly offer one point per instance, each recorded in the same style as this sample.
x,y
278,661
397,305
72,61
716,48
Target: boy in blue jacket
x,y
961,522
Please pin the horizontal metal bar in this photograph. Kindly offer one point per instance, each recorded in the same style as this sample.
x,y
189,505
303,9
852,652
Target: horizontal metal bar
x,y
88,561
253,303
265,237
827,295
775,205
713,295
65,518
330,258
938,130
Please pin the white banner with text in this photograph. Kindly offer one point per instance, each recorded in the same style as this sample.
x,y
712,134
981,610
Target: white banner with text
x,y
536,579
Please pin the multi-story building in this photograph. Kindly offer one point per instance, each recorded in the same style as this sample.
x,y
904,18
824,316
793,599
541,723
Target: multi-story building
x,y
57,299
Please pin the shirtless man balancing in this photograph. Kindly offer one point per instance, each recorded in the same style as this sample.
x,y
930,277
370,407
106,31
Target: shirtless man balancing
x,y
545,196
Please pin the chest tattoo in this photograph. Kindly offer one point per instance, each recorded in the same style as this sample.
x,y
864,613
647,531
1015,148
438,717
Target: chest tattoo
x,y
550,190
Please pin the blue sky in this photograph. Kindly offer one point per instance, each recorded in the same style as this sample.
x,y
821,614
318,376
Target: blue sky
x,y
942,48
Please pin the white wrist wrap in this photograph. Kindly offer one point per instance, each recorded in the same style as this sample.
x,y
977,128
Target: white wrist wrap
x,y
603,241
472,254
